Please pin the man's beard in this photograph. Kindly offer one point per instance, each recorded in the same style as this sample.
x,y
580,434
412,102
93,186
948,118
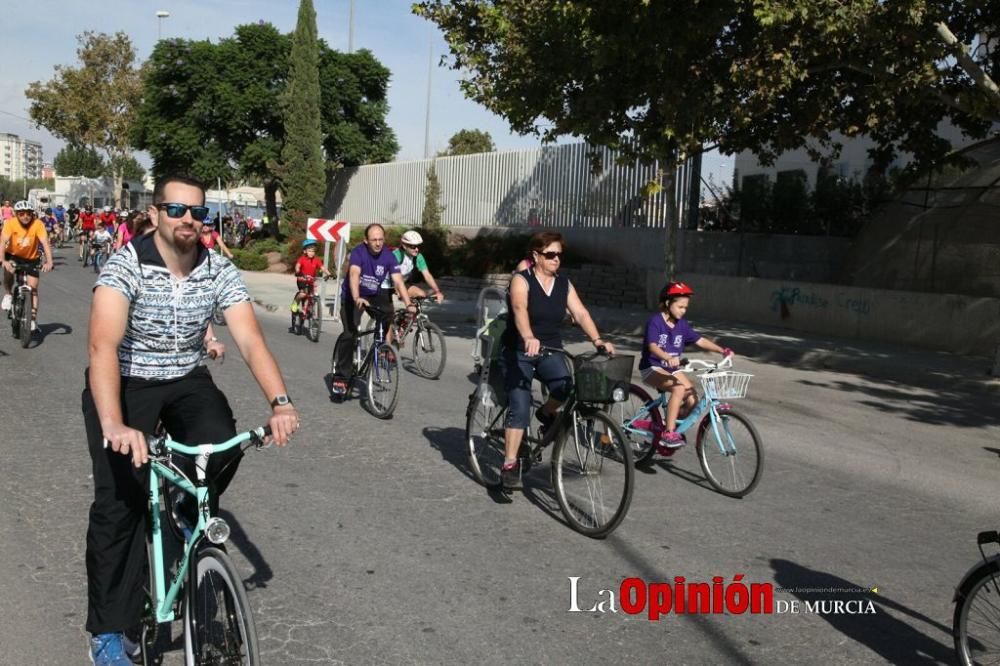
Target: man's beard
x,y
185,245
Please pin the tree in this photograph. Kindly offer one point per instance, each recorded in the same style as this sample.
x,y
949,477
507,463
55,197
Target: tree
x,y
76,160
469,142
656,81
303,180
215,110
129,168
95,104
430,218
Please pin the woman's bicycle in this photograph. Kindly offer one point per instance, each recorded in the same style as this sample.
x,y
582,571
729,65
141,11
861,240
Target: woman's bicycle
x,y
376,363
591,466
976,623
429,351
206,592
20,305
728,445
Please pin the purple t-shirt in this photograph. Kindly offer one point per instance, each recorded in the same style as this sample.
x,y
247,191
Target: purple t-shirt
x,y
670,340
374,269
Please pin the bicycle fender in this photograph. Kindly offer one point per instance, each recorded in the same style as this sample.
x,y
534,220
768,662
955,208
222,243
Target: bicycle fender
x,y
992,561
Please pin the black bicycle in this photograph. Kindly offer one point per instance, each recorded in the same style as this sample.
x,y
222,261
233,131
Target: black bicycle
x,y
976,623
21,301
591,466
376,363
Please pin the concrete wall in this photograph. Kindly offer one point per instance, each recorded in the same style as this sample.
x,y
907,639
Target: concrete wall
x,y
774,256
947,322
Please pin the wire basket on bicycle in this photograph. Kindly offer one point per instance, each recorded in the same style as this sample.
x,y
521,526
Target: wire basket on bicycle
x,y
597,376
725,385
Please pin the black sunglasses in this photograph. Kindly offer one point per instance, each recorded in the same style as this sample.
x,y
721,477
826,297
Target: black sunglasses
x,y
551,255
176,210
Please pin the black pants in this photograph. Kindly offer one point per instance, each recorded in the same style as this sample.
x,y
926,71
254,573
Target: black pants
x,y
351,318
194,411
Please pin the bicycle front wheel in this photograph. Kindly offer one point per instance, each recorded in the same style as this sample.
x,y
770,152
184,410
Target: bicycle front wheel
x,y
731,454
429,352
313,326
218,627
976,624
24,329
592,474
639,431
484,434
383,382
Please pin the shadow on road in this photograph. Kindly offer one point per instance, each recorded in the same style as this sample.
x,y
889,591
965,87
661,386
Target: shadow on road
x,y
942,407
238,537
892,639
45,330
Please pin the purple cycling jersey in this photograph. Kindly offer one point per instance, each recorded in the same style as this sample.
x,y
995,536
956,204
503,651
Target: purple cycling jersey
x,y
670,339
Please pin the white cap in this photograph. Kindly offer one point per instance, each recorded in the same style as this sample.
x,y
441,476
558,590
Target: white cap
x,y
412,238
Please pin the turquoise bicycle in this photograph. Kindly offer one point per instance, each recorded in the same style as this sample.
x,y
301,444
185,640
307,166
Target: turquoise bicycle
x,y
206,591
728,445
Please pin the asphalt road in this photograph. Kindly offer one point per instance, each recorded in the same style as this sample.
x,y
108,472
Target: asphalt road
x,y
367,541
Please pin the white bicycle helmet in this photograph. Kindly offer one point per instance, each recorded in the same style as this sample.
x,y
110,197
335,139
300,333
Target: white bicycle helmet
x,y
412,238
22,205
107,209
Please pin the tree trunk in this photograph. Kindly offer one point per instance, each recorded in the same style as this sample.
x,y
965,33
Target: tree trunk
x,y
271,209
117,177
673,224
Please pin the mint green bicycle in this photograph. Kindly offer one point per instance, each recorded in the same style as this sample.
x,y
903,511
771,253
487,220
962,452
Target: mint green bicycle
x,y
206,591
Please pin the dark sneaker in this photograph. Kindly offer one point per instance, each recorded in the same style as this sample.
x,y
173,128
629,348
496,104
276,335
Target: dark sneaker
x,y
110,650
510,476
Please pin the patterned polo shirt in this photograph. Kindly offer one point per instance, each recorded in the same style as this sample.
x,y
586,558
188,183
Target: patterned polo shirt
x,y
168,317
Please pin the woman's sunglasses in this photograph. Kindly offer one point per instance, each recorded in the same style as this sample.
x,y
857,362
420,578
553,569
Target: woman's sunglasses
x,y
176,210
551,255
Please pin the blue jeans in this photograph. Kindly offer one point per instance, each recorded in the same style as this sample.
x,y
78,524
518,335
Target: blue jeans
x,y
519,369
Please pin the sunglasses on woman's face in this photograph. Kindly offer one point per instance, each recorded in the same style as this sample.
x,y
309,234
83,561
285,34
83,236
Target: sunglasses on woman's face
x,y
177,210
551,255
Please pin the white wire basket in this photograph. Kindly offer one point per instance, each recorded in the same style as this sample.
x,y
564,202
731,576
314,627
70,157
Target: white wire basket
x,y
725,385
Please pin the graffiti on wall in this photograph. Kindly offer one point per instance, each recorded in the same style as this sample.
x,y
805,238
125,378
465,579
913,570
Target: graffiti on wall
x,y
783,299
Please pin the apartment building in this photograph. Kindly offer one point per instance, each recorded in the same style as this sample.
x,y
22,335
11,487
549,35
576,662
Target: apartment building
x,y
20,158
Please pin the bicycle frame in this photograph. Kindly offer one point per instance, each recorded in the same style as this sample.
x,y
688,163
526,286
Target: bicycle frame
x,y
705,404
401,330
162,597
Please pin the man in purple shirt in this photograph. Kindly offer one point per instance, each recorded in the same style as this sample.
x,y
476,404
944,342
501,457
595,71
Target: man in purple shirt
x,y
369,263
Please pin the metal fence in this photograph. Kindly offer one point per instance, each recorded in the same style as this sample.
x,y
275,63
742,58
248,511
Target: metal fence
x,y
543,187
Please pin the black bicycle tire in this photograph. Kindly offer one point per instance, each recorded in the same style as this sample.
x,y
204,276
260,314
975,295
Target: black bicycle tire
x,y
238,595
379,412
475,403
313,327
601,531
704,426
973,583
432,329
24,328
647,451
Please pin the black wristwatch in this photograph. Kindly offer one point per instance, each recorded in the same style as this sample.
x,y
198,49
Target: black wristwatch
x,y
281,399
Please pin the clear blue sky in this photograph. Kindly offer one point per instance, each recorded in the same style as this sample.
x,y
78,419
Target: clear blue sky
x,y
398,39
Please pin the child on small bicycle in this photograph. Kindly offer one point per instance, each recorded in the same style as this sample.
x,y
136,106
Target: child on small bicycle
x,y
306,268
667,333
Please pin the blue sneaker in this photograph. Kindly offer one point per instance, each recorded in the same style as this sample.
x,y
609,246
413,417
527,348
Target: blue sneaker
x,y
112,650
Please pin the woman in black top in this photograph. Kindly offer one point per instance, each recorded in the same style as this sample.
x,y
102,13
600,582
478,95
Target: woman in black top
x,y
539,298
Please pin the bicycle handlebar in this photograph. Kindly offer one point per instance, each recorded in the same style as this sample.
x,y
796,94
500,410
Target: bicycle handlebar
x,y
687,364
599,351
161,444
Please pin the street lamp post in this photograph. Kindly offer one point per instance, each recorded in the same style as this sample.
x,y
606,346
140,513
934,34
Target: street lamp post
x,y
427,114
160,15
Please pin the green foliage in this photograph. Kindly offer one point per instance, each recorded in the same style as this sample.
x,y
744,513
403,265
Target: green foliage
x,y
95,104
77,160
14,190
215,109
302,172
128,167
249,260
430,218
469,142
658,81
262,245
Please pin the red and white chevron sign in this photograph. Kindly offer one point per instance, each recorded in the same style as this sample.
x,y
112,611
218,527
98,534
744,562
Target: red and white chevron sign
x,y
327,230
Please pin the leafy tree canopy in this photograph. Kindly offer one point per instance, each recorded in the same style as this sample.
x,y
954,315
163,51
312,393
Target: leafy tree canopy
x,y
94,104
76,160
661,78
468,142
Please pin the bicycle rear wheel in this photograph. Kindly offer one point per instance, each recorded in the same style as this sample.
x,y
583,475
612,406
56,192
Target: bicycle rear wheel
x,y
976,623
484,435
382,382
592,474
218,627
732,457
429,351
641,433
